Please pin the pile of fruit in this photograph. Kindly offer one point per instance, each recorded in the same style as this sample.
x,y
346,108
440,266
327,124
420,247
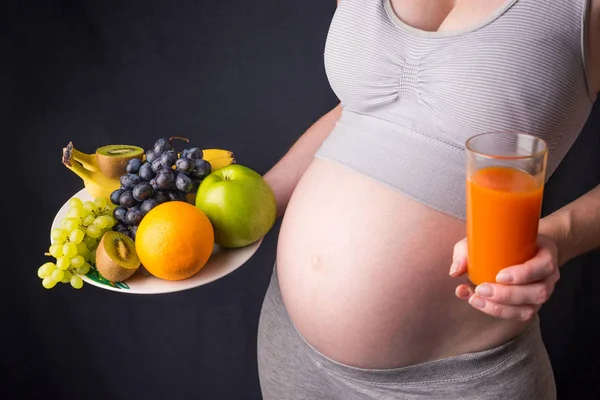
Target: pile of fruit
x,y
162,209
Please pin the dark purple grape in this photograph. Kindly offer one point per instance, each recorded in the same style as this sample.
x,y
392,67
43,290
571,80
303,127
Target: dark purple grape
x,y
195,184
156,166
184,153
150,156
121,228
153,183
161,141
195,153
161,146
133,232
127,200
168,158
142,191
134,216
114,196
133,166
148,205
146,172
201,169
128,181
176,195
161,197
183,182
119,214
184,165
165,179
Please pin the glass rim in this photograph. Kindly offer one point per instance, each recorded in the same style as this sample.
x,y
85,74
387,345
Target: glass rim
x,y
540,153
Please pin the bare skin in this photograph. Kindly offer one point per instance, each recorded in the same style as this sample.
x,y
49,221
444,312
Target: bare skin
x,y
376,300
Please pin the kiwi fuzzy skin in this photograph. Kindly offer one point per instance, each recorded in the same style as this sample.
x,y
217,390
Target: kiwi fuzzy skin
x,y
110,268
113,165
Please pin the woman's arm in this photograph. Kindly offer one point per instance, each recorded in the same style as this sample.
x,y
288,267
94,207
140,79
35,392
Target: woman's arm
x,y
284,176
575,228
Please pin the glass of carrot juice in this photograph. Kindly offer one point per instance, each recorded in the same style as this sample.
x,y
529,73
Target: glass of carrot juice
x,y
505,183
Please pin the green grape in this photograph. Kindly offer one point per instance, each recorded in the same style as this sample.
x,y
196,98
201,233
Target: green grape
x,y
82,248
59,235
55,250
76,282
84,269
93,255
69,250
111,221
48,282
101,222
76,236
89,207
90,242
79,213
67,276
72,223
93,231
100,202
88,219
63,263
57,274
63,223
75,202
73,213
77,261
83,251
86,255
46,270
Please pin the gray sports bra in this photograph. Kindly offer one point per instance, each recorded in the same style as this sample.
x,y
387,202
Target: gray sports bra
x,y
411,98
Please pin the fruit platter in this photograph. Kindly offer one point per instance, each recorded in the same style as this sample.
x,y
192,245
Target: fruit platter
x,y
161,220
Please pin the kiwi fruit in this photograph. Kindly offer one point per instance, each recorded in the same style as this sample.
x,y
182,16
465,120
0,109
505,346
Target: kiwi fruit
x,y
116,258
113,158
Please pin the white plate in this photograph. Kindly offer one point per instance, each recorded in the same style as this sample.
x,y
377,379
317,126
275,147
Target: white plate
x,y
221,263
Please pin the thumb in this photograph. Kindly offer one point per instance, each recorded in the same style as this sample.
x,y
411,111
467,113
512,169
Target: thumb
x,y
459,263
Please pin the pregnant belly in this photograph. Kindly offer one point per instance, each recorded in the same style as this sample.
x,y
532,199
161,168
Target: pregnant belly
x,y
363,273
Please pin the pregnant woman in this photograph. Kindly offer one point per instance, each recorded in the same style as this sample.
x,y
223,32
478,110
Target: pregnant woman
x,y
368,298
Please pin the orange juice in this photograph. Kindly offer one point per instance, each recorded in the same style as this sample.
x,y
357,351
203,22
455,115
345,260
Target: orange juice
x,y
503,212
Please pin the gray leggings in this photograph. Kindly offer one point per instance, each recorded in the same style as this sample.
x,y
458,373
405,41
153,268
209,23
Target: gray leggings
x,y
289,368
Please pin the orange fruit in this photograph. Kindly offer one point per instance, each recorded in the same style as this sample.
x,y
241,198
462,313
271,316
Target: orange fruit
x,y
174,240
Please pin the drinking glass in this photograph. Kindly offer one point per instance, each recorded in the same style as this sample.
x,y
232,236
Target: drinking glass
x,y
505,183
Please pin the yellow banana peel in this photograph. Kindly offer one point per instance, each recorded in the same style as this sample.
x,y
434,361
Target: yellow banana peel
x,y
96,183
89,161
209,154
216,163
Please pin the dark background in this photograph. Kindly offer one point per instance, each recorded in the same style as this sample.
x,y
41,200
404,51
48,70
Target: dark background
x,y
243,75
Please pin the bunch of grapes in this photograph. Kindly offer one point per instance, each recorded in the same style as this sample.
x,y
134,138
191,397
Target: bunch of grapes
x,y
164,176
74,243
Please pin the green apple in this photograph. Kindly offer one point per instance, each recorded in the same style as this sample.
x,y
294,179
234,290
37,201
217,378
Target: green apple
x,y
239,203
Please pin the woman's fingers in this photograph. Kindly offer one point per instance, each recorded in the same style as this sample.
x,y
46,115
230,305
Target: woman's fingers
x,y
521,313
459,265
543,265
536,293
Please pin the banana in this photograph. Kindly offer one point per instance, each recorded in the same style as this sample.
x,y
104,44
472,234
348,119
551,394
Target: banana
x,y
89,161
216,163
209,154
96,183
218,158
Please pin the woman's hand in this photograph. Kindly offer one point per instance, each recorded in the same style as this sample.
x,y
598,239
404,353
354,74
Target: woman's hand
x,y
519,291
